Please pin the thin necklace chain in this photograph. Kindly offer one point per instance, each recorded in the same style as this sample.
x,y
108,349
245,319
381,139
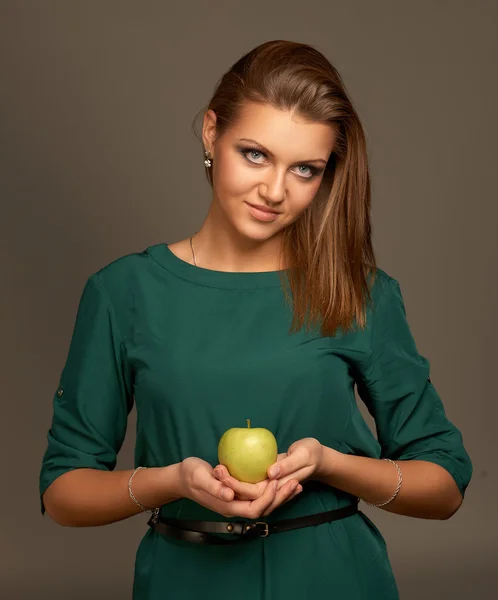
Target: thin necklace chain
x,y
192,248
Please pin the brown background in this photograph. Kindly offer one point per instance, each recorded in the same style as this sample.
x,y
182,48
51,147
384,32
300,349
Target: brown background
x,y
97,160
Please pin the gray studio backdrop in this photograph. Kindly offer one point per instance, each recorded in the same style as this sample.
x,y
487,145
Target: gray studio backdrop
x,y
98,160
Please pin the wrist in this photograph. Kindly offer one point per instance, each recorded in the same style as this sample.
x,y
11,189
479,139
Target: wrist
x,y
329,463
173,482
156,486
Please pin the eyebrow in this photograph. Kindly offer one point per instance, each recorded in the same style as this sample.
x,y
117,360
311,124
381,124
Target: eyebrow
x,y
312,160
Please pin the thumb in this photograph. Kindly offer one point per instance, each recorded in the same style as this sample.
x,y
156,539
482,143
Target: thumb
x,y
289,464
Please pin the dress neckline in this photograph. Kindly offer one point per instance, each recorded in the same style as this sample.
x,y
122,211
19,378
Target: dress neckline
x,y
162,254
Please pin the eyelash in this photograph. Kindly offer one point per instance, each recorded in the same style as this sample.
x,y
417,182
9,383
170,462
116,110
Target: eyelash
x,y
315,171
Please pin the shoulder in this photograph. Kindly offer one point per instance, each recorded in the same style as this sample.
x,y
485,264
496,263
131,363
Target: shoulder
x,y
125,270
383,283
385,292
123,283
126,278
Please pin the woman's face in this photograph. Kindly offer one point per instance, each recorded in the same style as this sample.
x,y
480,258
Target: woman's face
x,y
268,158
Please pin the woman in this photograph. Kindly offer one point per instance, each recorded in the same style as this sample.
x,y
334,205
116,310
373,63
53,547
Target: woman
x,y
273,311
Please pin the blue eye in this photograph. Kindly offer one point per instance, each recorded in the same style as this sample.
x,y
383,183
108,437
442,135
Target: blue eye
x,y
307,167
314,171
254,152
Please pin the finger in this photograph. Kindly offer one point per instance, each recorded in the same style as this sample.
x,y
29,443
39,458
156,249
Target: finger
x,y
280,458
301,475
214,487
248,508
242,497
242,489
262,503
253,509
283,496
252,491
291,463
221,471
295,493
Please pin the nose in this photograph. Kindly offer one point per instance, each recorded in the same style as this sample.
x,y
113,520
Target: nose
x,y
273,188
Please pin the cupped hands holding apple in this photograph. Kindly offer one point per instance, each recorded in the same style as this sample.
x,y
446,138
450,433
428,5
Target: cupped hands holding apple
x,y
198,483
245,484
250,464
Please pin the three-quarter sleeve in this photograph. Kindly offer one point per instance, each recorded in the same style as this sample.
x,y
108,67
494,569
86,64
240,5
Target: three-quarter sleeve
x,y
394,382
94,396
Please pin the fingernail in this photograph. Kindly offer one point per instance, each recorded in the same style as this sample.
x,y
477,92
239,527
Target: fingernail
x,y
293,486
225,494
274,471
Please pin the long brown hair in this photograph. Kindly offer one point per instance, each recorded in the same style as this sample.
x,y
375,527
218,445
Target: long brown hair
x,y
329,246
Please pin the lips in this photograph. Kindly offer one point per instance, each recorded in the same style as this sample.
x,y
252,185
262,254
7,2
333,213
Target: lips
x,y
264,209
262,214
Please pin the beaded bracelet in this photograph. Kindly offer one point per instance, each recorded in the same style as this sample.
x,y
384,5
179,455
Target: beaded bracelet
x,y
400,479
143,508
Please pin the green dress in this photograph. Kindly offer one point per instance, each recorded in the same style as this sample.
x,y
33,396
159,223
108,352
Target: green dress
x,y
200,351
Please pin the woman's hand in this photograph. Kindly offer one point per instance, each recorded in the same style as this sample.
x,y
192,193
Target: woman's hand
x,y
253,491
301,462
198,483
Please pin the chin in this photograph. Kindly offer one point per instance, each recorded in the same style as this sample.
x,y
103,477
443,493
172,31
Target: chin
x,y
258,232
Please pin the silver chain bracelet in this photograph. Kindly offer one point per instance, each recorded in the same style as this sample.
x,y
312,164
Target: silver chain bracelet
x,y
154,511
400,479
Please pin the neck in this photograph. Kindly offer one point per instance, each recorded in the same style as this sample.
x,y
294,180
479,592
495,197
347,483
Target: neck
x,y
217,245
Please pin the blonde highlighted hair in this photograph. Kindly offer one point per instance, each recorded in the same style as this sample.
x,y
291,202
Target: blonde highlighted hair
x,y
329,247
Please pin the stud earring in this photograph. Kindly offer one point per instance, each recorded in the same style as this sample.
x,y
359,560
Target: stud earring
x,y
208,161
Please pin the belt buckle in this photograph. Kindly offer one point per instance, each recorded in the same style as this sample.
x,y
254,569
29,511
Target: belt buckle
x,y
262,533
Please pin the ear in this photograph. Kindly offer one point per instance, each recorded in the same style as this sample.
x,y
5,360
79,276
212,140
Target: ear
x,y
209,130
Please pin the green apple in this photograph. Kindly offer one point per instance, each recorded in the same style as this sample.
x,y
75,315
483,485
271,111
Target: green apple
x,y
247,453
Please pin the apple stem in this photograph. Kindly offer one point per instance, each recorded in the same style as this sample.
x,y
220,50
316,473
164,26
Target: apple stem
x,y
248,423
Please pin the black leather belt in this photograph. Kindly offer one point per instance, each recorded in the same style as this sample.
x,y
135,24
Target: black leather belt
x,y
199,531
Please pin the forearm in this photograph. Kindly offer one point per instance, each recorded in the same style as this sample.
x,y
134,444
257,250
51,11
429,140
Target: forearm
x,y
427,491
90,497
